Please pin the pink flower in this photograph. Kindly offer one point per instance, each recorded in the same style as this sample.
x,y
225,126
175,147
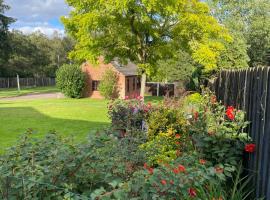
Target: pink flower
x,y
192,192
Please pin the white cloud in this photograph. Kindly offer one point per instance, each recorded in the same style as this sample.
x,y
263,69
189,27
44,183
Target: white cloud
x,y
44,30
40,15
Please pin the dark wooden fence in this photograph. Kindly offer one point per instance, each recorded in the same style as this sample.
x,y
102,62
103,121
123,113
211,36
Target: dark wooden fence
x,y
250,90
26,82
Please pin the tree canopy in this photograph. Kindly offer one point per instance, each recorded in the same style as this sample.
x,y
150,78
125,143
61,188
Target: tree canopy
x,y
249,21
145,31
4,41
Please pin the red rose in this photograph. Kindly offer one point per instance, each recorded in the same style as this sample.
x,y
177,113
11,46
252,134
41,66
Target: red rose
x,y
163,182
192,192
229,112
181,168
250,148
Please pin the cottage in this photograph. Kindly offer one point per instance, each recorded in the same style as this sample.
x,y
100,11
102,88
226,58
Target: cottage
x,y
129,82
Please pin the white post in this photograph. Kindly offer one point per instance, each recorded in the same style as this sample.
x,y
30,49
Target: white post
x,y
157,89
18,83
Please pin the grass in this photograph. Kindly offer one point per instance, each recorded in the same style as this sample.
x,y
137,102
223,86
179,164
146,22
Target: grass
x,y
13,92
68,117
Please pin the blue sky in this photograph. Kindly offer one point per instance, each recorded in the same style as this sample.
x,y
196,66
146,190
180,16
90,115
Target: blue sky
x,y
34,15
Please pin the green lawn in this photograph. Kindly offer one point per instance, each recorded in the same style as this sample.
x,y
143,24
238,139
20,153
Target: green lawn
x,y
69,117
13,92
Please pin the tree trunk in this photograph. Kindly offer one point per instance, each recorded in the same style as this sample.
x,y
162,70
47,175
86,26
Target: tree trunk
x,y
143,82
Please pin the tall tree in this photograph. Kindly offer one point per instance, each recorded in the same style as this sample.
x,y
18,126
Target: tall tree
x,y
249,21
4,41
144,31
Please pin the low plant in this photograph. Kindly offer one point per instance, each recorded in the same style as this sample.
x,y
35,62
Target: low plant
x,y
108,84
70,80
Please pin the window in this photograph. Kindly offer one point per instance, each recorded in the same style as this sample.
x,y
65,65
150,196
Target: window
x,y
134,83
138,83
127,84
95,85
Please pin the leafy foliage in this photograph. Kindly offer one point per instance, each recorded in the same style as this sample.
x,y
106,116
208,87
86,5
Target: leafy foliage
x,y
5,47
70,80
108,84
144,32
249,22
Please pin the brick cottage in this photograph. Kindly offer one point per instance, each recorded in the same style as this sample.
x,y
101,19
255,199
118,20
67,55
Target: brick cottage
x,y
129,82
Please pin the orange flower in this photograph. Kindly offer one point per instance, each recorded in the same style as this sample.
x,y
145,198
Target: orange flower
x,y
202,161
219,170
177,142
177,136
181,168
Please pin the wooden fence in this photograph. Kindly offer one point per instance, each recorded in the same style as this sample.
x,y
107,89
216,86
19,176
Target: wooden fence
x,y
27,82
250,90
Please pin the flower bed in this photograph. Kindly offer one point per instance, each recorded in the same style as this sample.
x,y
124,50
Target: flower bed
x,y
190,149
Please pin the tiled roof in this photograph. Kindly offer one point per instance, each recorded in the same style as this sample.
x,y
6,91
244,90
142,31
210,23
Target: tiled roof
x,y
130,69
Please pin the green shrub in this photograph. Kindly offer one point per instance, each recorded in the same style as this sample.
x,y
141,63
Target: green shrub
x,y
53,167
70,80
108,84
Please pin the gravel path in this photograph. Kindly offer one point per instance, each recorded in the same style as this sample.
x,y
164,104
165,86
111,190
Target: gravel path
x,y
56,95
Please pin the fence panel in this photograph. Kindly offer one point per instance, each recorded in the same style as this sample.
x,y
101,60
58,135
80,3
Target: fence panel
x,y
250,90
27,82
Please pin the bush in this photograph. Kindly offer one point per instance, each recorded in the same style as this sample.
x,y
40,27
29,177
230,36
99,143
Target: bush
x,y
128,114
108,84
53,167
70,80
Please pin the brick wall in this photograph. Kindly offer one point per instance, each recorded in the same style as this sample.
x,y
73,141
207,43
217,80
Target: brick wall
x,y
94,73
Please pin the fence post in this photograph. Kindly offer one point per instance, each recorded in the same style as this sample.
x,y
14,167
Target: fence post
x,y
18,83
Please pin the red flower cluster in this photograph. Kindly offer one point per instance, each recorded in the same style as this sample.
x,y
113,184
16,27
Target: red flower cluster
x,y
250,148
192,192
179,169
150,169
230,112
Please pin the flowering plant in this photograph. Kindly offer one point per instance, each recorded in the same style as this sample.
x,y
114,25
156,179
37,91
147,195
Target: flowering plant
x,y
218,133
128,114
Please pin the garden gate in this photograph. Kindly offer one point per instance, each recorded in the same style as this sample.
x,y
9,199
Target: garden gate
x,y
250,90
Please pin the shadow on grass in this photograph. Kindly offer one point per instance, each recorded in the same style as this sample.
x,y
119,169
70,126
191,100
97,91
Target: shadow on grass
x,y
15,121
